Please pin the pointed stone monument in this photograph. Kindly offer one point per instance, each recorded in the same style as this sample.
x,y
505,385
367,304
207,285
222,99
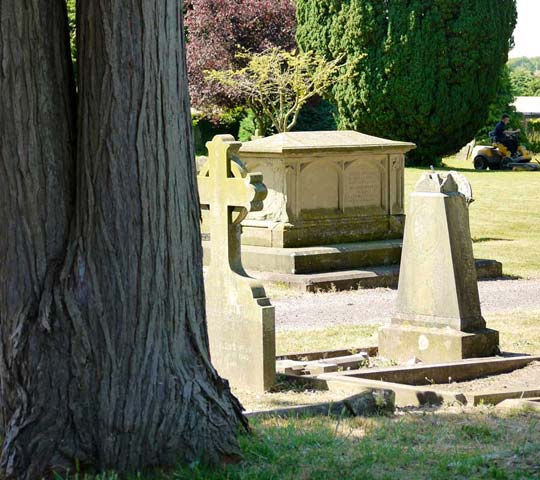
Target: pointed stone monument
x,y
438,308
240,318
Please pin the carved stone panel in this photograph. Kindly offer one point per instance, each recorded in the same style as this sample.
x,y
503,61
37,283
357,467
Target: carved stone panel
x,y
364,187
397,169
319,187
275,204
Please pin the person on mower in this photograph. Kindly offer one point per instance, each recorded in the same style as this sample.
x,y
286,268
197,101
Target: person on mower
x,y
506,136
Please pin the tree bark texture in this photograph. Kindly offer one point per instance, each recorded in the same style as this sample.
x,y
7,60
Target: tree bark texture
x,y
104,345
36,204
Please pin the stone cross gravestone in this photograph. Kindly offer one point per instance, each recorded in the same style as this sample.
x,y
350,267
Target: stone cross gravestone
x,y
438,308
240,318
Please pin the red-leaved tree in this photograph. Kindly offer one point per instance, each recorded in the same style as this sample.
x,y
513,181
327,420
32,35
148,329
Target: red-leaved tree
x,y
219,29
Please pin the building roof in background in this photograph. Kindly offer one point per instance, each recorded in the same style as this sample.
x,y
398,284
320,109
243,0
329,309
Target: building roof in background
x,y
528,105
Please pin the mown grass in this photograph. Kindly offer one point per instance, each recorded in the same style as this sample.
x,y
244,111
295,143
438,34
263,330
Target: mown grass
x,y
505,217
444,444
353,336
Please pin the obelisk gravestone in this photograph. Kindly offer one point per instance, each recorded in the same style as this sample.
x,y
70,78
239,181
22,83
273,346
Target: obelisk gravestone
x,y
438,314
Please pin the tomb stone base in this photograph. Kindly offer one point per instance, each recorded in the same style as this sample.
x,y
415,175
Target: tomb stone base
x,y
323,231
434,345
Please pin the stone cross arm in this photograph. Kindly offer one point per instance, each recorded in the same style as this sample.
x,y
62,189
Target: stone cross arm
x,y
225,184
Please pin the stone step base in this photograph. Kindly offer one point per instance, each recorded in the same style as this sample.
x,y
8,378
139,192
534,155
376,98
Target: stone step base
x,y
402,342
320,259
373,277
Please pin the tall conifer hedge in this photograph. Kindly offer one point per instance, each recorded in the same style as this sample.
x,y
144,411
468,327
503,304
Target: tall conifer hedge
x,y
425,71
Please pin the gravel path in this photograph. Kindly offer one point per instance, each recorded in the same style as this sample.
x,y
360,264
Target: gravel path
x,y
362,307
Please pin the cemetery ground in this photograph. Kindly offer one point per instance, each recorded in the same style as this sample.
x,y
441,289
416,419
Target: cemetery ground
x,y
451,441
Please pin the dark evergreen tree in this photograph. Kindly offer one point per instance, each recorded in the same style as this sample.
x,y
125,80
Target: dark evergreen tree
x,y
425,71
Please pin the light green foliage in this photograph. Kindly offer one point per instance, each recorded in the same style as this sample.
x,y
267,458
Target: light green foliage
x,y
534,87
247,127
277,84
533,127
71,9
521,79
525,75
426,71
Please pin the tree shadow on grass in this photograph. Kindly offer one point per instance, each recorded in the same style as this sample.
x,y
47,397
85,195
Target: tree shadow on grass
x,y
502,278
492,239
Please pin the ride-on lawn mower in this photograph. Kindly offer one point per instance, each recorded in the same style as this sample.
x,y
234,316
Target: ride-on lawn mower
x,y
498,157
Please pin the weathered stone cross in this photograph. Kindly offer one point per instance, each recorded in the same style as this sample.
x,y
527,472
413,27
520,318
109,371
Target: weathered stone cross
x,y
240,318
230,193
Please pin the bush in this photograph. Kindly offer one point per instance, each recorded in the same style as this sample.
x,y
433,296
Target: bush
x,y
247,127
205,129
533,127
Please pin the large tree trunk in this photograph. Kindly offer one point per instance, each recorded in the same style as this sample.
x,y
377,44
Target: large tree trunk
x,y
105,352
36,204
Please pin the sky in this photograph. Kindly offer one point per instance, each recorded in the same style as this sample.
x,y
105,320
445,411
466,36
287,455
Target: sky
x,y
526,35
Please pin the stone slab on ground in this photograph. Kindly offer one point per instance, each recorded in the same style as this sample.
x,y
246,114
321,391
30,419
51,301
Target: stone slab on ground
x,y
496,397
373,277
325,258
366,402
525,377
405,395
448,374
520,403
327,354
323,365
436,344
433,384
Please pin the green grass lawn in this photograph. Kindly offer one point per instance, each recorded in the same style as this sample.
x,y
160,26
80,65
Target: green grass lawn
x,y
451,443
424,445
505,217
